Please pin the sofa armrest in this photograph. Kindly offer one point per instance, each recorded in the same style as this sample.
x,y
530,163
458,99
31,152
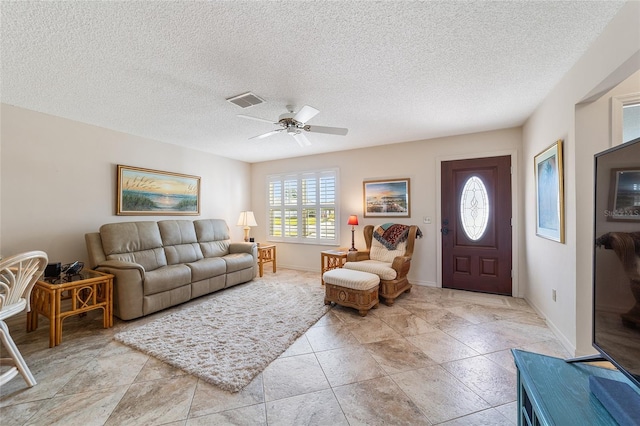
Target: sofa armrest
x,y
401,264
356,256
241,247
128,287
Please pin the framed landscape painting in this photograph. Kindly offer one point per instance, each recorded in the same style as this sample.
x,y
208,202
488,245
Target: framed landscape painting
x,y
387,198
154,192
550,193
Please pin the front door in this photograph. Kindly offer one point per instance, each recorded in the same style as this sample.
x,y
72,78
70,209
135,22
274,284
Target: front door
x,y
476,224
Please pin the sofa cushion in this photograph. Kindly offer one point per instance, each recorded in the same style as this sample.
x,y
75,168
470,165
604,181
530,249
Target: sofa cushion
x,y
381,269
382,254
211,230
238,261
183,253
215,248
127,237
167,278
148,259
137,242
207,268
175,232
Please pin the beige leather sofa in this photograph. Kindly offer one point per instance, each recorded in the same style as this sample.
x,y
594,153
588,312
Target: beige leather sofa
x,y
161,264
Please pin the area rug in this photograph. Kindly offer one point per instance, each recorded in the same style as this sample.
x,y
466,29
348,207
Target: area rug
x,y
230,338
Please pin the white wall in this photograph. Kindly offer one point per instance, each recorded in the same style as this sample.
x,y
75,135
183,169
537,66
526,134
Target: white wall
x,y
58,181
415,160
567,267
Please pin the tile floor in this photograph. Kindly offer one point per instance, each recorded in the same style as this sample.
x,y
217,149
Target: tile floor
x,y
436,357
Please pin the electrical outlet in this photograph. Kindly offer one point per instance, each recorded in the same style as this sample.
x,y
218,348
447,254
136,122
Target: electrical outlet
x,y
426,220
553,294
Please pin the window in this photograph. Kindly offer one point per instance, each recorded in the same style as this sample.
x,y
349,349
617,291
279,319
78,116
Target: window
x,y
625,118
302,207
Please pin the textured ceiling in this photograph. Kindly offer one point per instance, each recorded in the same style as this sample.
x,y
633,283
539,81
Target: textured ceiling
x,y
390,71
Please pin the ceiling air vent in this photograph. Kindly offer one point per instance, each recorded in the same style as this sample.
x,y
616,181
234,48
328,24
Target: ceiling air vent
x,y
246,100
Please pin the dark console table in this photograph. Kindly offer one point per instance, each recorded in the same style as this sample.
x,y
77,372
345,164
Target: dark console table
x,y
554,392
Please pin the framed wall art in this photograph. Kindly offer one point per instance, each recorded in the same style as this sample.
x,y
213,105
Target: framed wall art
x,y
154,192
625,190
549,178
387,198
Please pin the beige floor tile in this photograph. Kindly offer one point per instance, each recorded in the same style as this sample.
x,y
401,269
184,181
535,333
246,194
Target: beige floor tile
x,y
299,347
209,399
87,408
408,324
155,402
378,402
252,415
348,365
155,369
482,418
510,411
487,379
398,355
315,408
483,338
438,394
292,376
372,330
441,347
330,337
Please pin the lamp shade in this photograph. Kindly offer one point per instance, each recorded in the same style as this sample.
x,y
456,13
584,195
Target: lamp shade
x,y
247,219
353,220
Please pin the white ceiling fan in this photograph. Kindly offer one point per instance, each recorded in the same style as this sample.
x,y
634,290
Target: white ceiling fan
x,y
294,123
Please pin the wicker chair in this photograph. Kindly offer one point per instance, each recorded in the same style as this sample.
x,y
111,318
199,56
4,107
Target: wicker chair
x,y
18,275
392,266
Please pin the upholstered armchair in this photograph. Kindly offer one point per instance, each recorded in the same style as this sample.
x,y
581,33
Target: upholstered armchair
x,y
390,260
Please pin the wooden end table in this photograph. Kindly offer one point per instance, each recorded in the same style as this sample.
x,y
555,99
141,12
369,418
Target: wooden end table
x,y
332,259
266,254
82,293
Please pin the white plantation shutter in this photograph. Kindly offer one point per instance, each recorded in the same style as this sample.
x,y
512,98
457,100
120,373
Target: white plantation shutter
x,y
302,207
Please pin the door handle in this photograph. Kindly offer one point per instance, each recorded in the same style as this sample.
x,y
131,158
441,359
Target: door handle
x,y
444,230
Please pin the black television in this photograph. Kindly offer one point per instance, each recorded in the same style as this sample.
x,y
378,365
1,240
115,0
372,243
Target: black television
x,y
616,258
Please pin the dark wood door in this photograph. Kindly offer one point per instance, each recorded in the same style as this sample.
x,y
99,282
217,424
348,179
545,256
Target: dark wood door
x,y
476,224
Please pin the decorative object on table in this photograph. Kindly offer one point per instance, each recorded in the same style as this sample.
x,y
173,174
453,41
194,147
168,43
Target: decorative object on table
x,y
353,221
18,275
625,191
247,220
549,177
392,266
387,198
235,334
154,192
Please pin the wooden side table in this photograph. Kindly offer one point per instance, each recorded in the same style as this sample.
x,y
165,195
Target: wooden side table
x,y
332,259
91,290
266,254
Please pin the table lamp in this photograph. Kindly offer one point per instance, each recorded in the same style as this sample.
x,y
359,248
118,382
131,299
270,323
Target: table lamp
x,y
353,221
246,219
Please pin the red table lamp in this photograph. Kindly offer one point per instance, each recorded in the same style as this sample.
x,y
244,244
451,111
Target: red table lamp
x,y
353,221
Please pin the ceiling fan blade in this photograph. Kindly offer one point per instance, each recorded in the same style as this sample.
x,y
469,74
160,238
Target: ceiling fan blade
x,y
305,114
328,130
265,135
257,119
301,139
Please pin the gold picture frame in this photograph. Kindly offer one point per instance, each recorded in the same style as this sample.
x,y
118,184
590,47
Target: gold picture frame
x,y
154,192
549,177
387,198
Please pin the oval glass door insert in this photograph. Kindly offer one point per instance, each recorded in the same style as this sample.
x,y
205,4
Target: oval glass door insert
x,y
474,208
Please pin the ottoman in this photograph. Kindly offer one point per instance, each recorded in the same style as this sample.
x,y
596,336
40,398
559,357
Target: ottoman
x,y
350,288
